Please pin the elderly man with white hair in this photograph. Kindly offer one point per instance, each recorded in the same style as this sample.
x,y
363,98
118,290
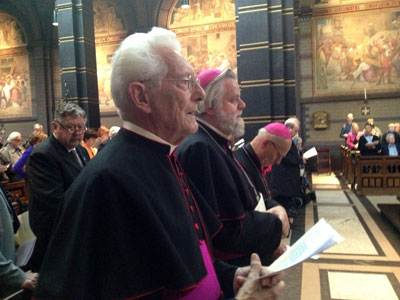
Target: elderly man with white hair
x,y
10,154
130,226
209,162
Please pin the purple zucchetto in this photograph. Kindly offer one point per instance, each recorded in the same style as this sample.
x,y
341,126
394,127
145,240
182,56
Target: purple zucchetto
x,y
278,129
207,76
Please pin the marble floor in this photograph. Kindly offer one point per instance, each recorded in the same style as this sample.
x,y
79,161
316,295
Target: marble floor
x,y
365,266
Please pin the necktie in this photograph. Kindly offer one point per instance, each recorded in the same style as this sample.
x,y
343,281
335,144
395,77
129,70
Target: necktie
x,y
77,157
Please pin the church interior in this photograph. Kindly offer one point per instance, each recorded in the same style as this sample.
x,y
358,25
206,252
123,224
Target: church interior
x,y
316,60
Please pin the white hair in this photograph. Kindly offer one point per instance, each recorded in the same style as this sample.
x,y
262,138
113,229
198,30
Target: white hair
x,y
215,91
289,123
140,58
13,135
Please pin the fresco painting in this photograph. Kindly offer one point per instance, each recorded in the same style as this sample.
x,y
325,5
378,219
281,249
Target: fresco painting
x,y
207,32
110,30
356,51
15,86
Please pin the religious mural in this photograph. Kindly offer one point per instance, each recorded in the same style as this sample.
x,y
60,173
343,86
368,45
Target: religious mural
x,y
329,3
110,30
356,51
15,89
207,33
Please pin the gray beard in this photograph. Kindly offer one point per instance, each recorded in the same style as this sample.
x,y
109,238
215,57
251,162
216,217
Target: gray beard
x,y
232,125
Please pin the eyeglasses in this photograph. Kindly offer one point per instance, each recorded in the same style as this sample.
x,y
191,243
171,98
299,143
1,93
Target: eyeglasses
x,y
280,155
72,128
191,81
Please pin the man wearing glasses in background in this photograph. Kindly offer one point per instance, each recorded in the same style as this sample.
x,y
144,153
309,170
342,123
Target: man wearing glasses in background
x,y
207,159
51,169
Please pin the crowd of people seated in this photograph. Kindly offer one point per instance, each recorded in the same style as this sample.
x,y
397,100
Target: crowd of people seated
x,y
371,140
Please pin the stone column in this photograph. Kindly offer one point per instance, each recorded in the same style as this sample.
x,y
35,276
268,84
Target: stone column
x,y
78,56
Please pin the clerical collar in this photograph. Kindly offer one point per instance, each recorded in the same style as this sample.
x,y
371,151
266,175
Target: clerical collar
x,y
147,134
219,132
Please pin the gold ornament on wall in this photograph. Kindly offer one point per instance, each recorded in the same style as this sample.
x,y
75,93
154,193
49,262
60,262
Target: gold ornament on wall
x,y
320,119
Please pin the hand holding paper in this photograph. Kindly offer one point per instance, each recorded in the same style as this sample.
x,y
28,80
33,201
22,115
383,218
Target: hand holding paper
x,y
318,238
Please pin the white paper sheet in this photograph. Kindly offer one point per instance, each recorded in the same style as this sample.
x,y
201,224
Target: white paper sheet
x,y
261,205
310,153
318,238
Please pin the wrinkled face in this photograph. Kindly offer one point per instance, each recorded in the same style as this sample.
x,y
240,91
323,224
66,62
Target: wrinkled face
x,y
62,131
274,150
174,104
228,114
16,141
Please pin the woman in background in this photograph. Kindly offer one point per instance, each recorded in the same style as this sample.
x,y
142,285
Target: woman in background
x,y
89,140
353,137
36,137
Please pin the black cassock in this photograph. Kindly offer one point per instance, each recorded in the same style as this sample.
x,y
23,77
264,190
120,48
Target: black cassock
x,y
209,163
127,229
251,164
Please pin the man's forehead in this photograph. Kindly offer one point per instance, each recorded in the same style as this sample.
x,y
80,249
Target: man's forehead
x,y
180,67
73,119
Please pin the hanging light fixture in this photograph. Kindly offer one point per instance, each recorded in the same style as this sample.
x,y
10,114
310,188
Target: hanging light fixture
x,y
185,4
55,23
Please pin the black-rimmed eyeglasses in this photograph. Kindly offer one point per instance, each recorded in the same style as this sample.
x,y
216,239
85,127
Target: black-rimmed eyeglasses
x,y
71,128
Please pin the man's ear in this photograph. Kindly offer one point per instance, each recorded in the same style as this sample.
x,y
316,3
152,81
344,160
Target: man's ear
x,y
54,125
137,92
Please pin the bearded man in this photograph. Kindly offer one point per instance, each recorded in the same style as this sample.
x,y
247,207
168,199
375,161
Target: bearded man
x,y
207,159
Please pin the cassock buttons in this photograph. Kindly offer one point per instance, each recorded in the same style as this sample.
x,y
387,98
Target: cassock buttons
x,y
196,226
186,192
191,208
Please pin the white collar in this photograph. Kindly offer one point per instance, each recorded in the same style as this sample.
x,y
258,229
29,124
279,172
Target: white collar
x,y
147,134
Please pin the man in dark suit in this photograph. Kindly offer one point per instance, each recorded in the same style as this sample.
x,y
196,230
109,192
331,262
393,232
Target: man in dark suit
x,y
51,169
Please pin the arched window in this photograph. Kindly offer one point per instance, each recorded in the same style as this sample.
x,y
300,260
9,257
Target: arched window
x,y
207,32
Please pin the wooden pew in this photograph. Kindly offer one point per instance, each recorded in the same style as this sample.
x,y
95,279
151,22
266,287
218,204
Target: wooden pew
x,y
348,161
19,189
377,175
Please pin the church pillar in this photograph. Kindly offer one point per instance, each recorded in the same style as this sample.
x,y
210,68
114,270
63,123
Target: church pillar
x,y
266,61
78,56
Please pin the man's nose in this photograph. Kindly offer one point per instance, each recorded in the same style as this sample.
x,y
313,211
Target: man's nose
x,y
241,104
198,93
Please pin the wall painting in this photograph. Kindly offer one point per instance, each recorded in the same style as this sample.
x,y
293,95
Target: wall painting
x,y
110,30
207,33
356,51
15,86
